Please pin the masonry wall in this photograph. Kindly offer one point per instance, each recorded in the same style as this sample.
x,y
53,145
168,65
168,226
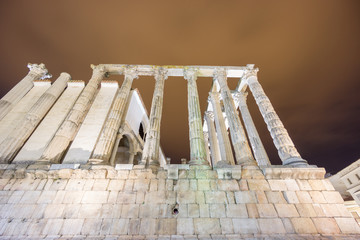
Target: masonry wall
x,y
100,202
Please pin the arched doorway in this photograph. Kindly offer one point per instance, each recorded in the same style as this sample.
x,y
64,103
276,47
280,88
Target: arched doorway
x,y
123,151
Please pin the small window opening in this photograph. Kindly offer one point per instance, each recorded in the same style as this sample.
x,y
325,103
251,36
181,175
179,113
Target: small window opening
x,y
141,131
358,178
349,181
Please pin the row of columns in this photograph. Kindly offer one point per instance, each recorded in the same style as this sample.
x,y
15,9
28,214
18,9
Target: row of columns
x,y
217,136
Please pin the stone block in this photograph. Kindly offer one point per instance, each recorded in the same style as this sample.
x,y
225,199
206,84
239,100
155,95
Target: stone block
x,y
35,228
141,185
185,226
290,197
182,185
130,211
303,185
207,226
193,185
193,210
200,197
149,210
134,226
348,225
330,210
167,226
126,197
65,173
148,226
245,226
59,197
303,197
203,185
113,197
182,211
90,211
217,210
224,173
258,184
275,197
326,225
153,185
261,197
47,197
228,185
155,197
332,197
277,185
91,227
169,185
88,184
15,196
289,228
317,185
72,226
52,226
75,184
226,226
245,197
129,184
215,197
291,184
306,210
95,197
119,226
73,196
100,184
286,210
243,185
266,210
303,225
30,197
343,211
71,210
186,197
271,226
236,211
54,211
252,210
318,210
16,228
59,184
328,185
204,210
317,197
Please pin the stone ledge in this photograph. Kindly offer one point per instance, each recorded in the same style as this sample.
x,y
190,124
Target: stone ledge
x,y
283,172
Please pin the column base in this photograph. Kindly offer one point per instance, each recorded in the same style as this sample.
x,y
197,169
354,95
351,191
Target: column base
x,y
247,162
223,164
199,162
296,162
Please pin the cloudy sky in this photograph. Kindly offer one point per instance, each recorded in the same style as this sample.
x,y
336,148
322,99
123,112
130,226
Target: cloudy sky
x,y
307,51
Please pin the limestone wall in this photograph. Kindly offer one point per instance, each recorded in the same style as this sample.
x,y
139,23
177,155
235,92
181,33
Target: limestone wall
x,y
100,202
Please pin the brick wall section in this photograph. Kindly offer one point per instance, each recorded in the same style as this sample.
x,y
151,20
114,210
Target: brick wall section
x,y
99,203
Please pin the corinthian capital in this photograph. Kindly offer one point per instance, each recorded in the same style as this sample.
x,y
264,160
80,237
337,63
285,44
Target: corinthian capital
x,y
239,97
190,74
250,72
210,115
220,73
160,73
132,72
39,70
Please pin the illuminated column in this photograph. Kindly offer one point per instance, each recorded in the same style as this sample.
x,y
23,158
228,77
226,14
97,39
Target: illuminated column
x,y
214,144
150,155
16,93
12,144
283,143
58,145
241,146
258,148
206,140
223,137
105,144
196,135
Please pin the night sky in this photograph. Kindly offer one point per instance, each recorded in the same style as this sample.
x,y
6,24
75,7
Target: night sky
x,y
307,51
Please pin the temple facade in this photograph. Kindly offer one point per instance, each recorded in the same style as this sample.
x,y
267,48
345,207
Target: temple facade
x,y
84,161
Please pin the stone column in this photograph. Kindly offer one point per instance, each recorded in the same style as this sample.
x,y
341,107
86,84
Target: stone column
x,y
258,148
223,137
240,143
150,155
214,144
206,140
65,134
16,93
283,143
196,136
12,144
105,144
131,157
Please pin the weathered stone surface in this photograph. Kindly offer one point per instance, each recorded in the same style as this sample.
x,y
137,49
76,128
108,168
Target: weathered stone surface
x,y
271,226
326,225
236,211
348,225
303,225
244,226
286,210
215,197
185,226
266,210
207,226
245,197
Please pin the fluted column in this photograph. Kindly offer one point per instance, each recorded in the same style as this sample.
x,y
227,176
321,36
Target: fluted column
x,y
258,148
283,143
214,144
226,156
196,136
65,134
12,144
206,140
240,143
16,93
150,155
105,144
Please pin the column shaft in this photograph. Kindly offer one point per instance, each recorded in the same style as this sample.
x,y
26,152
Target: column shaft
x,y
206,140
150,155
223,137
12,144
283,143
258,148
214,144
240,143
16,93
196,136
65,134
105,144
